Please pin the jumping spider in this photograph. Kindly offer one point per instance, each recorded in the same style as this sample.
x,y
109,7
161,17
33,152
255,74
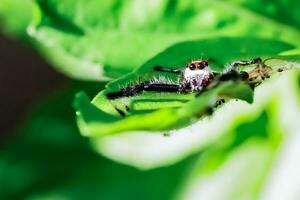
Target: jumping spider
x,y
196,77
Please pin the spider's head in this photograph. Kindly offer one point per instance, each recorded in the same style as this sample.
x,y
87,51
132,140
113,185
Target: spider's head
x,y
196,68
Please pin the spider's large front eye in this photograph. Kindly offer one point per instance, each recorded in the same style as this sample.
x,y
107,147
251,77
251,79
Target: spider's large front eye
x,y
201,66
192,66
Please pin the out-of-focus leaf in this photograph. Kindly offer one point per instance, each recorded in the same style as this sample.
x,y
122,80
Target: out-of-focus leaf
x,y
15,16
107,38
237,163
284,11
249,148
50,160
141,136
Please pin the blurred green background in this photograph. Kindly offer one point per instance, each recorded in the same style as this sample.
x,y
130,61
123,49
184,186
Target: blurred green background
x,y
251,154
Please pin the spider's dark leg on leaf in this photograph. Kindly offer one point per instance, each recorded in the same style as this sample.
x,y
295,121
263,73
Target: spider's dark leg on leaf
x,y
144,86
232,74
167,69
121,112
219,102
239,63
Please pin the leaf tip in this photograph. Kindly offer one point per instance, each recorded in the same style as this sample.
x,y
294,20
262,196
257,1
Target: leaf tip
x,y
80,98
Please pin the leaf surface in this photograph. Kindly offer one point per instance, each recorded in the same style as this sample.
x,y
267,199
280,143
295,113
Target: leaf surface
x,y
137,139
167,111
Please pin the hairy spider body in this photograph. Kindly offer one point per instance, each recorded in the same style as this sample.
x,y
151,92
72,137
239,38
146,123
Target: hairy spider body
x,y
195,77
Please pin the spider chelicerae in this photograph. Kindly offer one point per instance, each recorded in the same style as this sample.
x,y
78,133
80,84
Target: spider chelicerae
x,y
196,77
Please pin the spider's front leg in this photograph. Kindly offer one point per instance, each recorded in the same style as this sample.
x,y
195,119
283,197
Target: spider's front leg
x,y
239,63
230,73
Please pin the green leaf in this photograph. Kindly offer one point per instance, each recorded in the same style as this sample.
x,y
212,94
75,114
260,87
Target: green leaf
x,y
94,122
246,178
103,39
284,11
146,150
15,16
250,154
152,114
233,155
168,111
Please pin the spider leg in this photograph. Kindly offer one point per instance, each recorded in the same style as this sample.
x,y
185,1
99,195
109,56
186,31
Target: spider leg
x,y
231,73
121,112
239,63
219,102
167,69
228,75
144,86
215,73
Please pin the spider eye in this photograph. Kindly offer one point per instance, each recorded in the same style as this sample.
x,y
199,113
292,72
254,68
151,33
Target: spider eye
x,y
201,66
192,67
